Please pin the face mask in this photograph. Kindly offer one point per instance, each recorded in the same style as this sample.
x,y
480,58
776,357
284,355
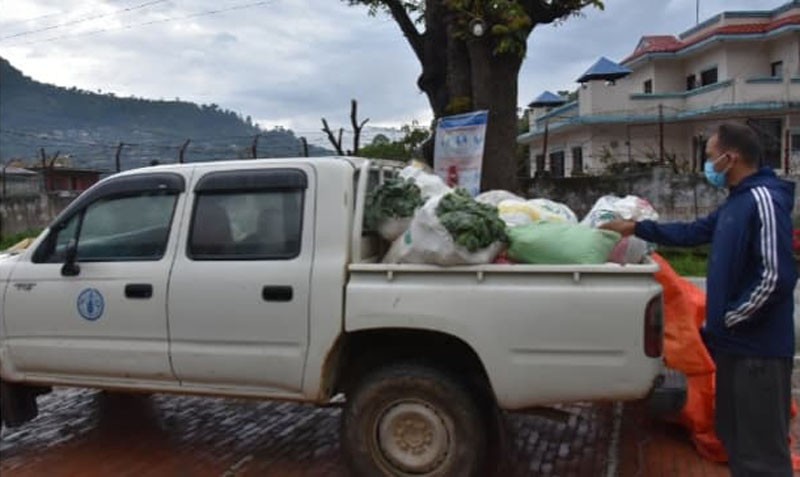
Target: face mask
x,y
717,179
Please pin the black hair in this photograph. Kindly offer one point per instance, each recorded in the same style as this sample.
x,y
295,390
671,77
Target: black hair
x,y
742,139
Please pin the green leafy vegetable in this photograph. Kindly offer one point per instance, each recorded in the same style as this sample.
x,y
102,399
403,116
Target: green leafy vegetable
x,y
471,224
395,198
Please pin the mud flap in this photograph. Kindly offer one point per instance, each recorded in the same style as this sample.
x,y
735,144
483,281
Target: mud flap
x,y
669,394
18,403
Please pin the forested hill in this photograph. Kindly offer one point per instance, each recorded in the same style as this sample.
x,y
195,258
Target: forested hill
x,y
87,127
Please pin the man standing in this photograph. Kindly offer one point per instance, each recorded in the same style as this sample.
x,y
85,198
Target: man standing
x,y
749,326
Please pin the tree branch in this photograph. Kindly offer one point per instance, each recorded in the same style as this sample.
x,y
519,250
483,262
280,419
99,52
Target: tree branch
x,y
542,12
410,31
336,144
356,126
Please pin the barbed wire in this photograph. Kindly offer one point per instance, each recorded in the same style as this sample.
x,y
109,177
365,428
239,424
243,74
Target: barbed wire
x,y
148,23
82,20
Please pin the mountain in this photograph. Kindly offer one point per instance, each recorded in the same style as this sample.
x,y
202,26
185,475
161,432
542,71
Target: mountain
x,y
87,127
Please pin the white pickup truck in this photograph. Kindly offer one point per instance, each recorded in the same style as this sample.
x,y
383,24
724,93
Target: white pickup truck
x,y
255,279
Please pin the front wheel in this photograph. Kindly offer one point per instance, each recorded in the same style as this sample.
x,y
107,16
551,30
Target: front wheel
x,y
413,420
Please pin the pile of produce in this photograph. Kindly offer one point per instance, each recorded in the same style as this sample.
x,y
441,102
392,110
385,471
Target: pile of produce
x,y
429,223
472,225
390,206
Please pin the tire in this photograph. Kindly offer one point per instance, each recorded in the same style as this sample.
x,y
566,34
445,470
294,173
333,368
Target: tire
x,y
413,420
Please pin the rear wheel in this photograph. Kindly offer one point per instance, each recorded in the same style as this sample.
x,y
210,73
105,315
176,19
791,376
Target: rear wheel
x,y
413,420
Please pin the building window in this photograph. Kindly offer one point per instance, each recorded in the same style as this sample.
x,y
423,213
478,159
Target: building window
x,y
708,76
691,82
796,142
776,69
577,160
539,162
648,87
557,164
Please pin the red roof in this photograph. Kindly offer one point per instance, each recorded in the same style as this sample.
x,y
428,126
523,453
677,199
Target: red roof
x,y
671,44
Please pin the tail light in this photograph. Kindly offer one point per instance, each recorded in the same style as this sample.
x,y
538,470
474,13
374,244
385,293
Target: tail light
x,y
654,328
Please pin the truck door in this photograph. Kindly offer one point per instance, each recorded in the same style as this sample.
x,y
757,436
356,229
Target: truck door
x,y
239,295
103,316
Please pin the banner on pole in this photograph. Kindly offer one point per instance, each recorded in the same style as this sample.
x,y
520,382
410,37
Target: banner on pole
x,y
458,151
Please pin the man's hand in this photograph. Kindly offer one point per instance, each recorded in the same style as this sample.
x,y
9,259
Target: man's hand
x,y
622,227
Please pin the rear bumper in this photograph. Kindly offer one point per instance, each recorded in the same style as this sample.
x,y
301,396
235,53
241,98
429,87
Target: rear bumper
x,y
668,395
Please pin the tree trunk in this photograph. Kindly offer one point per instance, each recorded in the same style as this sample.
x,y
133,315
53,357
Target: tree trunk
x,y
494,88
459,74
433,80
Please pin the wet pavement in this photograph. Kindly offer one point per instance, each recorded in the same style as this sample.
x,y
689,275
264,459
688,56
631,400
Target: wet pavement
x,y
92,433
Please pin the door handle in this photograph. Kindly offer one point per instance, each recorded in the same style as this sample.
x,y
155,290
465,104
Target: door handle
x,y
277,293
139,290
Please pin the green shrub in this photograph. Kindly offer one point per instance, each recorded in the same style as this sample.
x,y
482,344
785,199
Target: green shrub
x,y
10,240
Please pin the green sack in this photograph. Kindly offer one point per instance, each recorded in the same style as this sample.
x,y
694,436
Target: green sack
x,y
560,244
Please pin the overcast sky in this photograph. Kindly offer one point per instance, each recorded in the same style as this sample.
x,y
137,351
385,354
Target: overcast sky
x,y
290,62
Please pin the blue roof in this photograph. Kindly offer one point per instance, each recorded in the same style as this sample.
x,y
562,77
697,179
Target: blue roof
x,y
547,99
604,69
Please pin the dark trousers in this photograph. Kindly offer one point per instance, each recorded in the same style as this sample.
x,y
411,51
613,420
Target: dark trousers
x,y
753,405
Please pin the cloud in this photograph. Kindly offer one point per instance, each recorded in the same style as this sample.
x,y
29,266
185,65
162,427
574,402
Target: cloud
x,y
295,60
558,55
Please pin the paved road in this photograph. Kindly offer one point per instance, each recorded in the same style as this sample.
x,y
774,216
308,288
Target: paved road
x,y
90,433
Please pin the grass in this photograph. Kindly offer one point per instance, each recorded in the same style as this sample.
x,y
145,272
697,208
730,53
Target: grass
x,y
688,262
10,240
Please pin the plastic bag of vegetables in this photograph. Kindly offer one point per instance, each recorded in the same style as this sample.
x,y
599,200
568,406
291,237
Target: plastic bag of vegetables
x,y
390,206
429,184
451,229
518,212
560,243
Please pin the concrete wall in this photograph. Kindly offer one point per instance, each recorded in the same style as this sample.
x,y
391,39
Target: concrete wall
x,y
670,77
746,59
599,97
22,214
786,49
675,197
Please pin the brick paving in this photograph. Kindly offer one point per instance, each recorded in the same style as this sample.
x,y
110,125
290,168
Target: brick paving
x,y
90,433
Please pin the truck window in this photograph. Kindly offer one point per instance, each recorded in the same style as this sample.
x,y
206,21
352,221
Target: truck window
x,y
253,225
133,227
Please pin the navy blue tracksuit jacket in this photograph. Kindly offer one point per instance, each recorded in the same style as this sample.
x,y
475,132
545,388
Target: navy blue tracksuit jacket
x,y
751,270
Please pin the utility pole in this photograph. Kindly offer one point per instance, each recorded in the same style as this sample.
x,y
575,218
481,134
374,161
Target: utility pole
x,y
697,12
5,167
182,151
254,147
45,175
544,143
305,145
116,156
661,133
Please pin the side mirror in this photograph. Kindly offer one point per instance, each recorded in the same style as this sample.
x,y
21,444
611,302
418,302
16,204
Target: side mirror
x,y
71,267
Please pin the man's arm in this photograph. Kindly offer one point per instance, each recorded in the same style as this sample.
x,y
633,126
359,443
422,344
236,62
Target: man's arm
x,y
679,234
773,281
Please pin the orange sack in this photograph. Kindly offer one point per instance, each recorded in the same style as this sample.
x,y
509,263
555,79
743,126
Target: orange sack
x,y
684,350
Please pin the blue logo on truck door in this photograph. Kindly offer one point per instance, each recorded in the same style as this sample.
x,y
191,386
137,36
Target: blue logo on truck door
x,y
91,304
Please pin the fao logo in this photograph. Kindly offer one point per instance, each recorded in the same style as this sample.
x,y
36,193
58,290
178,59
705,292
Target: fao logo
x,y
91,304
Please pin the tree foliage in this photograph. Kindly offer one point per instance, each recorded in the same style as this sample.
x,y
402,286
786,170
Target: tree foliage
x,y
408,147
87,127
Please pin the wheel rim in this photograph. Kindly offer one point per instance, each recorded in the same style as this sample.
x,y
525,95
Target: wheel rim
x,y
413,437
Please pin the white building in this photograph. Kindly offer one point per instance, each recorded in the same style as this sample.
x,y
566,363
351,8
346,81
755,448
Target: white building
x,y
742,66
